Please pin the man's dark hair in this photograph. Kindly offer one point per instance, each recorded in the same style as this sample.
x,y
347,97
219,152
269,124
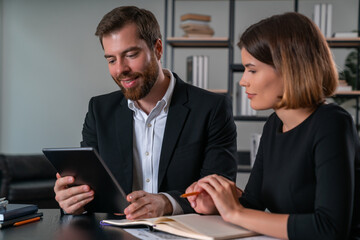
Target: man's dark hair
x,y
147,25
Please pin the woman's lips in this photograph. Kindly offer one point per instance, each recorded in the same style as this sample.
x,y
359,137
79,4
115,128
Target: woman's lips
x,y
250,95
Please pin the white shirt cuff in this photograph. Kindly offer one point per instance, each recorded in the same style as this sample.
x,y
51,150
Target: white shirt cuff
x,y
175,205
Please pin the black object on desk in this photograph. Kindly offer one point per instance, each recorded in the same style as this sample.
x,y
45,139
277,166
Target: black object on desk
x,y
87,167
21,220
11,211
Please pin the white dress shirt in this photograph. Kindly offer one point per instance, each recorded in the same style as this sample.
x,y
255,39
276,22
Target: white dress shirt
x,y
147,141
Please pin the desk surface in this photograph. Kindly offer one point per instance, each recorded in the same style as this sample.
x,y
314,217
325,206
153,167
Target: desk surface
x,y
67,227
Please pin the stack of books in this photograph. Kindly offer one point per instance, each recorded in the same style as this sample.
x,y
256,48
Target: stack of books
x,y
196,25
323,18
241,102
343,86
12,215
197,70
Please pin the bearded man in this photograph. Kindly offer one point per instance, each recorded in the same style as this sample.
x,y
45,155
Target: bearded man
x,y
157,134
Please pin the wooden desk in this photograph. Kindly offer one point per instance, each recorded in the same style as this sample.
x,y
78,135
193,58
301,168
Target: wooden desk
x,y
53,226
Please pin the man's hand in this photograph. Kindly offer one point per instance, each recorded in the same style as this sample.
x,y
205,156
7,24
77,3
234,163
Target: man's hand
x,y
147,205
72,199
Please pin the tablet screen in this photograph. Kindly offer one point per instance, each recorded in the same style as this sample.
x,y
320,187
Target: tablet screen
x,y
87,167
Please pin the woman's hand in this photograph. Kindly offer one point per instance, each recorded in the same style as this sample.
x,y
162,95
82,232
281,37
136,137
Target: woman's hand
x,y
224,194
202,203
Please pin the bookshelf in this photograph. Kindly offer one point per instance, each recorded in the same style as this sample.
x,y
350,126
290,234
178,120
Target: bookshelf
x,y
227,43
344,42
216,42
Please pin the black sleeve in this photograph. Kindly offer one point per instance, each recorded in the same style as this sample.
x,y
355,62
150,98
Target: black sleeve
x,y
251,197
89,129
220,151
334,151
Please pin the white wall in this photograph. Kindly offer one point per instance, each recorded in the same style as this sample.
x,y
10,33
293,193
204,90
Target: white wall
x,y
52,63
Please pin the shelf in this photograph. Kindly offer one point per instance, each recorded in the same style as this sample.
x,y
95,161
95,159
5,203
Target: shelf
x,y
237,67
251,118
343,42
216,42
347,93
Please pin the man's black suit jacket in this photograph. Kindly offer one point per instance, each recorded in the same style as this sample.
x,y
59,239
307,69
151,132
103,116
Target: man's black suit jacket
x,y
199,138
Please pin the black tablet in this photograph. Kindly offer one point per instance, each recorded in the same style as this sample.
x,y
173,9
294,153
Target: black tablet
x,y
87,167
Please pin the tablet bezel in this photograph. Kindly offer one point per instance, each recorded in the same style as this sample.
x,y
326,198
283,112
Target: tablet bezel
x,y
87,167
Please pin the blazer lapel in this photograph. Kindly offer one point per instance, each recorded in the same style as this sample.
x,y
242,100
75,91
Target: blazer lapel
x,y
174,124
124,134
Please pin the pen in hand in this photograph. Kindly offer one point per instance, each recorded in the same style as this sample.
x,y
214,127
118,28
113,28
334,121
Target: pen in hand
x,y
185,195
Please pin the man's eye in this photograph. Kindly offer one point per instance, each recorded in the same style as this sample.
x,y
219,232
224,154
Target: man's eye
x,y
111,61
132,55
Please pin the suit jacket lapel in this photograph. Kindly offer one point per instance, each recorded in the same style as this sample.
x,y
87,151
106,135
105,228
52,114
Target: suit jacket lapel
x,y
174,124
124,134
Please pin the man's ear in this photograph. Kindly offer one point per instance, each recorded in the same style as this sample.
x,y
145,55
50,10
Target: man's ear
x,y
158,48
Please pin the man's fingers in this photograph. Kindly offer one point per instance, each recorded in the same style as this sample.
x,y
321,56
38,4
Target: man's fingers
x,y
73,191
75,205
63,182
136,205
144,212
134,196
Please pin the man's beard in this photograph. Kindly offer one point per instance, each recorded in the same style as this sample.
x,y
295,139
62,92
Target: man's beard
x,y
149,77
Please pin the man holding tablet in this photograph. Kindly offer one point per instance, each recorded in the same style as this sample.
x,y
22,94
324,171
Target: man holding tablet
x,y
157,135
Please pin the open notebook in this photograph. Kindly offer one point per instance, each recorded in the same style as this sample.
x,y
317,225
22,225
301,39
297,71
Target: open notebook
x,y
189,225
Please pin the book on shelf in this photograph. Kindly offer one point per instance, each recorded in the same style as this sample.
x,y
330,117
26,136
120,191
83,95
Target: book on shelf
x,y
206,72
241,103
345,35
16,210
197,67
191,70
246,109
329,11
323,18
192,226
196,28
195,16
197,22
201,71
196,25
236,99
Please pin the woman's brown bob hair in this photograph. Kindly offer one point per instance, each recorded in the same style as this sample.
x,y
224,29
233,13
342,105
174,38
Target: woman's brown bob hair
x,y
295,47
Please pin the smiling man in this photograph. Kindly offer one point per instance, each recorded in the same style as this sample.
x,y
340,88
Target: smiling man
x,y
157,134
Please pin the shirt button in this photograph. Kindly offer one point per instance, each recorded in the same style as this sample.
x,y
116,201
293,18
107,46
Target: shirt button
x,y
147,180
149,125
147,153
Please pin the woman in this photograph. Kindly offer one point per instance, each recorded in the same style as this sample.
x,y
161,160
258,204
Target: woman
x,y
307,166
